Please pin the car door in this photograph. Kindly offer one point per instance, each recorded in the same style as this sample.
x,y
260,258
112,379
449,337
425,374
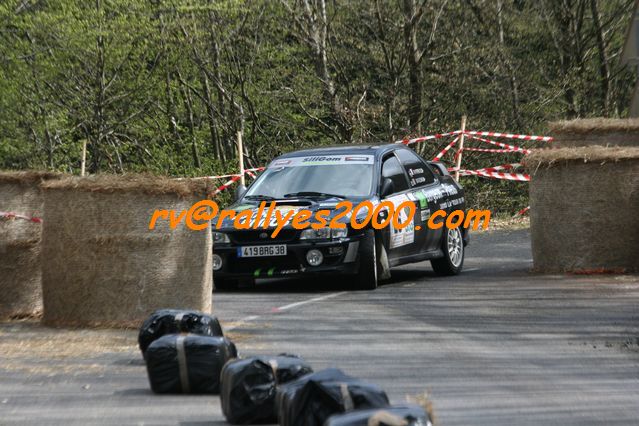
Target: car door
x,y
424,188
400,242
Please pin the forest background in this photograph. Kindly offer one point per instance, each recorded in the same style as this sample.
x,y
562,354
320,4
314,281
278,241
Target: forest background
x,y
163,86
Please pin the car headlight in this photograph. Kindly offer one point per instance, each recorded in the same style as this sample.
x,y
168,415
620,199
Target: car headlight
x,y
316,234
323,234
339,232
220,237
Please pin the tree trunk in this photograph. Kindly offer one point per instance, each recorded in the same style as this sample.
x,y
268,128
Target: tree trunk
x,y
514,87
226,147
210,115
315,28
41,111
188,105
604,68
98,110
411,23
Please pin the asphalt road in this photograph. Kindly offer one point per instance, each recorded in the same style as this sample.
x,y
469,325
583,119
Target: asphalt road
x,y
496,345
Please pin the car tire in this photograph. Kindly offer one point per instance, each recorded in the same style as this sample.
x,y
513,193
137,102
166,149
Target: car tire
x,y
383,264
225,284
453,248
368,266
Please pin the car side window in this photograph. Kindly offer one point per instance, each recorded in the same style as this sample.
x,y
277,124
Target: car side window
x,y
393,170
418,171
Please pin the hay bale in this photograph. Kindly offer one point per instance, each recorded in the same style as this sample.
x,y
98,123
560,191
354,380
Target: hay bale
x,y
595,131
20,284
583,209
103,266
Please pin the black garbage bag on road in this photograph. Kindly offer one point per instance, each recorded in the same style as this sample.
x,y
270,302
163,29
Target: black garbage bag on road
x,y
172,321
249,386
400,415
187,363
312,399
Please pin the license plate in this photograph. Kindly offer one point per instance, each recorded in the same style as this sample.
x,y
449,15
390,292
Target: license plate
x,y
262,251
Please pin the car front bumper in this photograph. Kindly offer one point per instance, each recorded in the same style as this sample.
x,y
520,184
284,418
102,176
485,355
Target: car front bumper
x,y
341,257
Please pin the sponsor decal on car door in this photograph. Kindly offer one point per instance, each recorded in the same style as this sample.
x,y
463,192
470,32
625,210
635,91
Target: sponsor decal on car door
x,y
424,210
404,236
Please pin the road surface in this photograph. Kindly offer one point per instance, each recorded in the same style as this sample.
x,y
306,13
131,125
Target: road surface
x,y
496,345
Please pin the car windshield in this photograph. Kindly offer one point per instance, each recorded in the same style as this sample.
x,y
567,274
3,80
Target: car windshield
x,y
341,175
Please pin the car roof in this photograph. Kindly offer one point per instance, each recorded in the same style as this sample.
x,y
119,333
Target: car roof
x,y
370,149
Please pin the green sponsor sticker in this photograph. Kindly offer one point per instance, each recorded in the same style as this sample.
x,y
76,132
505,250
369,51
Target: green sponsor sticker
x,y
423,203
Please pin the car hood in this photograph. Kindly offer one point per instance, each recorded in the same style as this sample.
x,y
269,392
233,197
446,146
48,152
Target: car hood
x,y
285,205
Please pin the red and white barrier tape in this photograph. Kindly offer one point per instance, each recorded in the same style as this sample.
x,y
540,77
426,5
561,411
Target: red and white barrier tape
x,y
255,170
510,166
234,178
502,145
475,134
250,172
523,211
496,150
492,169
428,138
226,185
494,172
446,149
510,136
486,172
12,215
213,177
496,175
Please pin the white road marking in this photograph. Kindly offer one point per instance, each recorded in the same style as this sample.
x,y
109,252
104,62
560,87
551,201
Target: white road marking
x,y
242,322
251,318
284,308
305,302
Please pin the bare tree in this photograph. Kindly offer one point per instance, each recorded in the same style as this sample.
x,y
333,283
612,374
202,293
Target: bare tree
x,y
312,29
604,67
506,60
565,23
413,13
385,28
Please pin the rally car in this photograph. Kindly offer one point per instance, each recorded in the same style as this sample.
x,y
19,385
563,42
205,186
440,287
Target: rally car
x,y
319,179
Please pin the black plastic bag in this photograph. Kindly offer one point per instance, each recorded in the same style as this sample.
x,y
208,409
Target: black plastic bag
x,y
171,321
187,363
312,399
249,386
400,415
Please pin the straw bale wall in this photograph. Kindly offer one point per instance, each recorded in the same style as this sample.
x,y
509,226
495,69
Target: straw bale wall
x,y
584,209
103,266
20,285
595,131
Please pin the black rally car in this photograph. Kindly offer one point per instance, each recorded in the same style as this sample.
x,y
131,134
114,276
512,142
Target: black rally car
x,y
318,179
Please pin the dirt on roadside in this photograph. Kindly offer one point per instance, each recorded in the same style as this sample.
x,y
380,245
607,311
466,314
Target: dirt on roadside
x,y
28,347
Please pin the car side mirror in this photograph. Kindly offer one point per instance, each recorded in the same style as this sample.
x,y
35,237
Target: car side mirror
x,y
388,187
239,191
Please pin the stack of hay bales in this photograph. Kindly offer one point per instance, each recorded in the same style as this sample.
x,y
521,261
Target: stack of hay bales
x,y
101,264
20,287
584,198
595,131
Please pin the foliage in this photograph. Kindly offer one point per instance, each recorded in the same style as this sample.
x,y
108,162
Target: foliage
x,y
165,85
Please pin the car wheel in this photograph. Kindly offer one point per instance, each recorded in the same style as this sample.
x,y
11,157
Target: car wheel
x,y
225,284
367,276
453,248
